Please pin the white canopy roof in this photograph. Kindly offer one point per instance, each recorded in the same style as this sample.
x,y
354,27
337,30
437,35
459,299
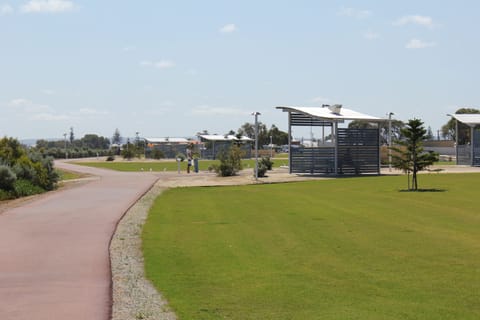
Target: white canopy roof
x,y
470,119
330,114
167,140
219,137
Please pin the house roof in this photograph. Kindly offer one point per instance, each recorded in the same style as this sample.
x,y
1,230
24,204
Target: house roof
x,y
331,113
470,119
167,140
220,137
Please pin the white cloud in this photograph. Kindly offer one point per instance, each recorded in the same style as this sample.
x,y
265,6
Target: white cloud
x,y
419,44
206,110
19,102
370,35
35,111
162,64
47,6
228,28
415,19
28,106
5,9
354,13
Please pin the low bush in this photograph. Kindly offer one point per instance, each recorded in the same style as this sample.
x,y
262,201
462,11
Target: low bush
x,y
23,188
267,162
230,162
6,195
7,178
110,158
157,154
262,169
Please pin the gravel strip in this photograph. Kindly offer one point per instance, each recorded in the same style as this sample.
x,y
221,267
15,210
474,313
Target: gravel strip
x,y
134,297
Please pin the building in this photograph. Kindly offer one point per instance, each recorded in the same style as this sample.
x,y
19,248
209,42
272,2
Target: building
x,y
342,150
213,144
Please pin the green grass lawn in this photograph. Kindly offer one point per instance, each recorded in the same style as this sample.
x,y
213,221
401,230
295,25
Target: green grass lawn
x,y
68,175
166,165
352,248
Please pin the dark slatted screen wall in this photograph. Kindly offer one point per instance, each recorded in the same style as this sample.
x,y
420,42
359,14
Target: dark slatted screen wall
x,y
464,151
464,156
313,160
476,147
358,151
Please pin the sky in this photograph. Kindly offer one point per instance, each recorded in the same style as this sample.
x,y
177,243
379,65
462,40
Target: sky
x,y
174,68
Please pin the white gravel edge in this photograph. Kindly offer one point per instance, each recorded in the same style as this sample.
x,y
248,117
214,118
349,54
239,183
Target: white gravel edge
x,y
134,297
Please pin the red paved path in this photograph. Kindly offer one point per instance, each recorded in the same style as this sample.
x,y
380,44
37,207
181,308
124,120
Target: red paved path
x,y
54,261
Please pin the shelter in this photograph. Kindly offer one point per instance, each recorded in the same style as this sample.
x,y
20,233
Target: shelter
x,y
343,151
467,147
170,147
217,143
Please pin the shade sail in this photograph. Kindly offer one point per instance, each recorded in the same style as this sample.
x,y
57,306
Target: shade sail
x,y
327,114
220,137
469,119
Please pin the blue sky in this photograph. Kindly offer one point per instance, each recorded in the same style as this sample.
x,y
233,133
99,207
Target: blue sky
x,y
173,68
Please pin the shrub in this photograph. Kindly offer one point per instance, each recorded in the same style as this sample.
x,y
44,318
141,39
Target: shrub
x,y
110,158
267,162
25,188
23,168
6,195
157,154
7,178
262,170
128,153
230,163
45,175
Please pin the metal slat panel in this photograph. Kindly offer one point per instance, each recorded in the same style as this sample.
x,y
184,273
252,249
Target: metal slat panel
x,y
299,120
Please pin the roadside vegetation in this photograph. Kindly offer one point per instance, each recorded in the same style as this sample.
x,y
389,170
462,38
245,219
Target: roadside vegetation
x,y
24,172
353,248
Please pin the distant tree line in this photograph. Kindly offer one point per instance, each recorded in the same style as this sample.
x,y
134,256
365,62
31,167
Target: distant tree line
x,y
90,145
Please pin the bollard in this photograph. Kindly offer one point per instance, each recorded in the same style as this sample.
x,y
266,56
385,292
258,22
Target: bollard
x,y
195,165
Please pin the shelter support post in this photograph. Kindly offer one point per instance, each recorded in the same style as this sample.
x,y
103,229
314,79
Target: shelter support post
x,y
334,136
472,146
456,140
289,142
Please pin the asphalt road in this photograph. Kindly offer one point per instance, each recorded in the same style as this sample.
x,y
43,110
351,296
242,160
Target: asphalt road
x,y
54,251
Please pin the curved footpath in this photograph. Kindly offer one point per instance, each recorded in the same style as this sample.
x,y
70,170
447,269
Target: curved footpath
x,y
54,251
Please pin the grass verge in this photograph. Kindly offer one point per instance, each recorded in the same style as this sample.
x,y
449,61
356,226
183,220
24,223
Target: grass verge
x,y
353,248
166,165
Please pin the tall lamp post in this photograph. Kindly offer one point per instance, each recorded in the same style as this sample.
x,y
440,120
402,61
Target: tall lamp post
x,y
256,114
271,147
65,139
390,141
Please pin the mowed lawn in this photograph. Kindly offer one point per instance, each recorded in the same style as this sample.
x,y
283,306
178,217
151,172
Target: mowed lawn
x,y
166,165
351,248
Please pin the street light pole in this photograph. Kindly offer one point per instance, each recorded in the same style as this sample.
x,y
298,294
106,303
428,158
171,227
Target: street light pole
x,y
271,147
65,139
256,114
390,141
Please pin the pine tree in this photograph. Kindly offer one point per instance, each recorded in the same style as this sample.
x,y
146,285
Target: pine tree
x,y
409,156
